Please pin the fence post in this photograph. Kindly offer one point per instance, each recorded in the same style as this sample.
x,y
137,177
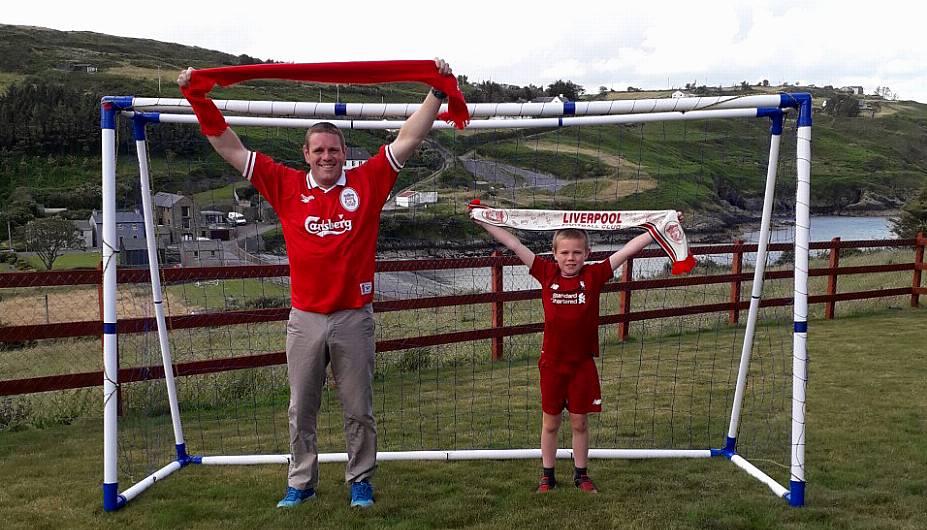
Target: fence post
x,y
831,305
737,265
624,306
919,244
497,310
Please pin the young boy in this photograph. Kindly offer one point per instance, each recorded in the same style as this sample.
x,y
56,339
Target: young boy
x,y
570,293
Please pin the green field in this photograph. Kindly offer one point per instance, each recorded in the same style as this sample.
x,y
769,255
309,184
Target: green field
x,y
70,260
866,467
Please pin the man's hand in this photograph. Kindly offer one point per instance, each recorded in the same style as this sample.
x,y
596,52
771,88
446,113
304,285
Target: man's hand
x,y
184,78
443,67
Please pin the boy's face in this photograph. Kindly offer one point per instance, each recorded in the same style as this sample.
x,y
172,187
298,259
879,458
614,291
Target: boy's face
x,y
571,254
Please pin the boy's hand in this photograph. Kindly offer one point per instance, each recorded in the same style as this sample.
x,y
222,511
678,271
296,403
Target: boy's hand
x,y
680,216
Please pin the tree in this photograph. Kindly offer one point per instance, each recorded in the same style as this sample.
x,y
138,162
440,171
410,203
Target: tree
x,y
913,217
247,59
842,105
20,207
569,89
49,238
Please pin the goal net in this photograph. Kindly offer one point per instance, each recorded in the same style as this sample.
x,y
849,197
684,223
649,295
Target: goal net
x,y
711,364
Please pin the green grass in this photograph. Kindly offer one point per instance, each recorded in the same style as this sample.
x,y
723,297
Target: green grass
x,y
71,260
223,195
221,295
866,463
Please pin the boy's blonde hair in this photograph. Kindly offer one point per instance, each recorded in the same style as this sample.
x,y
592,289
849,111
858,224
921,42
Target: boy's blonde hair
x,y
569,233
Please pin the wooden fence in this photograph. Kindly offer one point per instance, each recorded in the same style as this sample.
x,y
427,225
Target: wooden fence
x,y
496,296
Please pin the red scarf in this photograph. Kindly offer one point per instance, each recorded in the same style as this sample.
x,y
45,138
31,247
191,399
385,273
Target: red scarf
x,y
366,72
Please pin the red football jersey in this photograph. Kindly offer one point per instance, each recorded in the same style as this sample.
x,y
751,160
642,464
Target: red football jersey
x,y
571,309
331,235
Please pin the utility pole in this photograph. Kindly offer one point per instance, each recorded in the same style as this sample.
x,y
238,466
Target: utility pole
x,y
9,234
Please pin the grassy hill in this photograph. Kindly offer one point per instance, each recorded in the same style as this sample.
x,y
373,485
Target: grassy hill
x,y
49,140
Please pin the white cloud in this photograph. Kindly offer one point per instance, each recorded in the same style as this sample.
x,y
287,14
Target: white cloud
x,y
593,43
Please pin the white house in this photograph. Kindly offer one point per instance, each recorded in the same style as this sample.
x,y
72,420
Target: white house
x,y
548,99
680,94
85,232
408,199
355,157
856,90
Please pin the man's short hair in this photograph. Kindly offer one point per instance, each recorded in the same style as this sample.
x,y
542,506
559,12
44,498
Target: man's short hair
x,y
569,233
328,128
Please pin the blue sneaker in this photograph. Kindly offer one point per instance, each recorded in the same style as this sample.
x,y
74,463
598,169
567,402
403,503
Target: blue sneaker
x,y
361,494
295,496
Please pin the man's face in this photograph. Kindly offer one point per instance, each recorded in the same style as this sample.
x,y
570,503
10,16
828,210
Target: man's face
x,y
326,158
571,254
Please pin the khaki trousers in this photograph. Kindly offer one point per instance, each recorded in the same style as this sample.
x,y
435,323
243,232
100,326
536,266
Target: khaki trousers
x,y
346,340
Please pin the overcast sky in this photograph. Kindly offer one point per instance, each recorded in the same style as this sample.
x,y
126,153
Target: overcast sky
x,y
649,44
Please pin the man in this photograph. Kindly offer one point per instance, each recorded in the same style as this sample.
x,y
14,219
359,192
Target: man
x,y
330,220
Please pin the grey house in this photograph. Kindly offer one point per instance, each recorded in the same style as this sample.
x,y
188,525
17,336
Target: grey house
x,y
201,253
129,225
177,214
133,253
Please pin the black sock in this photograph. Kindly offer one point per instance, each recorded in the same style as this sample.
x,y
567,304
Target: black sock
x,y
578,472
549,473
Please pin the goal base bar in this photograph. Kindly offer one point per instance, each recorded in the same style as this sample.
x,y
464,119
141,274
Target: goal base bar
x,y
795,499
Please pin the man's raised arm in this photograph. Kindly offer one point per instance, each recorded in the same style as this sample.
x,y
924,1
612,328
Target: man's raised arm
x,y
227,144
416,128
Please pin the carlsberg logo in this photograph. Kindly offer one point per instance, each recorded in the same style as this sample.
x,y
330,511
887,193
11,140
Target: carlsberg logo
x,y
328,227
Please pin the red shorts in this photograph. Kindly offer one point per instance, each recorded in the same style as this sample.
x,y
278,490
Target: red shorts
x,y
570,385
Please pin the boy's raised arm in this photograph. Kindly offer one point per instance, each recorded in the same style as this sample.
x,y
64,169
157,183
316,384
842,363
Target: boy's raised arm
x,y
634,246
511,242
629,249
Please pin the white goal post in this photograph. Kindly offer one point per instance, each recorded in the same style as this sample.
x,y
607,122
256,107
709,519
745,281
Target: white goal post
x,y
146,111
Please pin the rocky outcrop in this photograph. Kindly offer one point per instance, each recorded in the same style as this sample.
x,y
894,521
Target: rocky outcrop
x,y
870,202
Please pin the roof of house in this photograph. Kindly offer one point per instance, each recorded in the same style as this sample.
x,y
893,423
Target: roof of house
x,y
548,99
166,200
128,243
132,216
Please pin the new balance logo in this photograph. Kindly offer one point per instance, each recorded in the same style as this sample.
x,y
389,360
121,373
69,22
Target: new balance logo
x,y
306,198
597,402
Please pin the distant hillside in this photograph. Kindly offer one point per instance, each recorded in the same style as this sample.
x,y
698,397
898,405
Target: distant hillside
x,y
49,138
32,50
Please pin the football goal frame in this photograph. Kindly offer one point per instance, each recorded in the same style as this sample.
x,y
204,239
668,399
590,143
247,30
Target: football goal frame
x,y
143,112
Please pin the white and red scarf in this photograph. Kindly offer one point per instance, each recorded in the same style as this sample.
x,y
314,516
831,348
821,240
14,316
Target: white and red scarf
x,y
663,225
